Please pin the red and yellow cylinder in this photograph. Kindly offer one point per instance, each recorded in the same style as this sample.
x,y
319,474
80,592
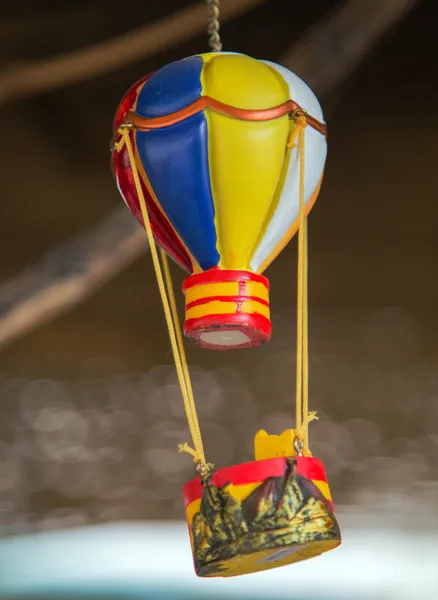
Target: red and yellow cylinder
x,y
227,309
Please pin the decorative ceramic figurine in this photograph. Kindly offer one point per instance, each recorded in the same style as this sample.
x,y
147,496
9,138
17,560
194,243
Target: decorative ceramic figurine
x,y
209,155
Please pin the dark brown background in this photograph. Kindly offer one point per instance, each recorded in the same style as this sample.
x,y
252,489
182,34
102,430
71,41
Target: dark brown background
x,y
95,380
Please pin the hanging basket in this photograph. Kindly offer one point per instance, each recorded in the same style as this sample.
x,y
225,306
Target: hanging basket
x,y
260,515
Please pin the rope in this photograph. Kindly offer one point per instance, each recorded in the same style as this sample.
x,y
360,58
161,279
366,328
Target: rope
x,y
213,27
165,287
164,280
191,414
303,416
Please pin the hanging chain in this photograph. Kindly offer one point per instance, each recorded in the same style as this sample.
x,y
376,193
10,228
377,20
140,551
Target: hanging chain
x,y
214,39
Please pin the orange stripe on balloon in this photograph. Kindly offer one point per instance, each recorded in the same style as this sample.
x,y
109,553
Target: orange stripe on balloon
x,y
244,114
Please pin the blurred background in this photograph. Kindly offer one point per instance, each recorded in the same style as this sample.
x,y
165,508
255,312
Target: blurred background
x,y
91,413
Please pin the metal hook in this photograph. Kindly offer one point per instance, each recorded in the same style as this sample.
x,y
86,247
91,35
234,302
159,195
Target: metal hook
x,y
298,446
128,125
298,112
200,469
204,469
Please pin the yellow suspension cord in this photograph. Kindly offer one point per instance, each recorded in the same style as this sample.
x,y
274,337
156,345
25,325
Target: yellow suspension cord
x,y
169,305
191,414
303,416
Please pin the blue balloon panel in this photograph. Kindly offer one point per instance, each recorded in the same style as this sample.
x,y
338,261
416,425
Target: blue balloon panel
x,y
172,88
175,159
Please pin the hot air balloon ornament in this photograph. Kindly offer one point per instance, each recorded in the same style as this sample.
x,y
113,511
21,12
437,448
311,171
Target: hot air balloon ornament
x,y
208,153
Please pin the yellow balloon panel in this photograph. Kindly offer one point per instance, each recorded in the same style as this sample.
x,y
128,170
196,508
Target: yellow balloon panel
x,y
246,161
243,82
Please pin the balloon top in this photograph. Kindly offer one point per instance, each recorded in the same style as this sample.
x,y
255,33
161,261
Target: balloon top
x,y
210,136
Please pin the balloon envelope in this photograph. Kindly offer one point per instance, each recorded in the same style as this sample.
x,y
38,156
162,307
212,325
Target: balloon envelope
x,y
220,182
